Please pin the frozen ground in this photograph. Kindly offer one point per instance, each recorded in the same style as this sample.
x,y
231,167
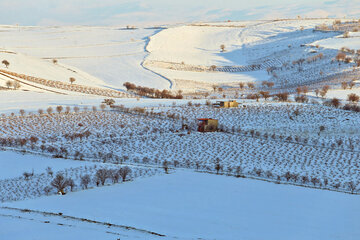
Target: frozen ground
x,y
190,205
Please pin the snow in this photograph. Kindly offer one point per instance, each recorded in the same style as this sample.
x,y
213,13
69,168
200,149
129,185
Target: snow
x,y
17,229
194,205
101,56
200,45
12,101
269,137
194,45
341,93
32,66
184,54
352,42
14,164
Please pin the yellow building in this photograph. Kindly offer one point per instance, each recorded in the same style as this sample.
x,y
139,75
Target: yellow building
x,y
226,104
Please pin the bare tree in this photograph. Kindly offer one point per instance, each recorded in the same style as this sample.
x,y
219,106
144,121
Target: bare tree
x,y
314,180
72,80
60,183
218,166
49,171
335,102
114,175
222,47
268,174
101,176
270,84
40,111
265,94
351,186
250,85
47,190
352,97
59,109
340,56
123,172
6,63
110,101
241,85
344,85
165,166
102,107
70,182
351,84
27,175
16,85
9,84
49,110
214,87
238,171
85,180
304,179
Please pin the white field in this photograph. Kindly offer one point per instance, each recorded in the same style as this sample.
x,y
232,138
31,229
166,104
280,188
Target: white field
x,y
187,205
201,45
268,43
265,140
12,101
14,164
107,56
352,42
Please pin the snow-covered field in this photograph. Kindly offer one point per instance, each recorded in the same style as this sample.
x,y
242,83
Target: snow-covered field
x,y
15,164
273,141
274,170
109,56
187,205
249,50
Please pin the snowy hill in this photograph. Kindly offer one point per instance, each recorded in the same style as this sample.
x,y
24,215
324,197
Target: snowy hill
x,y
85,155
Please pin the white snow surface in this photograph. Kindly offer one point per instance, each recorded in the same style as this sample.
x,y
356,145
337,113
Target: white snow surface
x,y
14,164
189,205
101,56
352,42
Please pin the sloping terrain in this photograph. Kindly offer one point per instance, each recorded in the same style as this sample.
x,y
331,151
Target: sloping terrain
x,y
141,169
188,205
112,55
224,54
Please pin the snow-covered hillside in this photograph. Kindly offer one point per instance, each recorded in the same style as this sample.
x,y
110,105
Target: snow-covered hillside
x,y
100,56
229,53
188,205
100,135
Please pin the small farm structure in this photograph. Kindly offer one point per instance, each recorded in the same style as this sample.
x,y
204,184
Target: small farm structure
x,y
226,104
207,125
